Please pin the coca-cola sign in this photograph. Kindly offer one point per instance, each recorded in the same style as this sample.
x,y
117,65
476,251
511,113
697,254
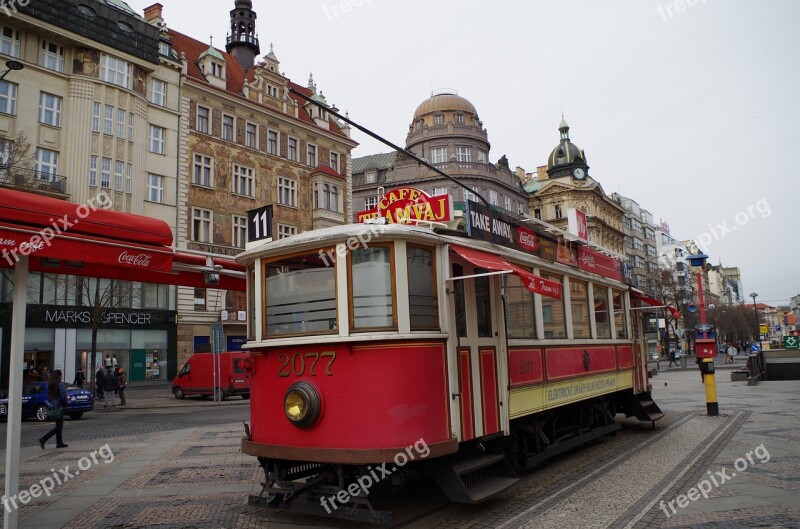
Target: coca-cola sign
x,y
527,239
141,260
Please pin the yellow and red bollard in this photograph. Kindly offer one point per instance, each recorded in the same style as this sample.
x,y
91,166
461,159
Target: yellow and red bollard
x,y
709,379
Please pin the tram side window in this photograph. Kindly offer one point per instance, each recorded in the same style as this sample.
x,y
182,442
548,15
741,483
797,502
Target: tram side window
x,y
460,302
483,305
579,295
619,315
601,312
300,296
519,309
423,303
371,279
555,324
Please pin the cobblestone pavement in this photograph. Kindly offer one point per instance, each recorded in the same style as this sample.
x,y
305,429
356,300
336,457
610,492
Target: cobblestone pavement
x,y
197,478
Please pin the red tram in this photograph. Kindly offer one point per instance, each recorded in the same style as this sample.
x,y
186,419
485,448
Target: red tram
x,y
377,349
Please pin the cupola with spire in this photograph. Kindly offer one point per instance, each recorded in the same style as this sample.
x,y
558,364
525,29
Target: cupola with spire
x,y
243,39
567,159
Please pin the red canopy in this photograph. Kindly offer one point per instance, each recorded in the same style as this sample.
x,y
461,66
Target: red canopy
x,y
83,239
532,282
655,303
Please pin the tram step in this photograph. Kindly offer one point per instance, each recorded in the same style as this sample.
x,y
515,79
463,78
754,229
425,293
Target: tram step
x,y
487,489
477,463
642,407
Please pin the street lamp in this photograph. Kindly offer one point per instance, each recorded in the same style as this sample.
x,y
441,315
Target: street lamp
x,y
11,66
758,325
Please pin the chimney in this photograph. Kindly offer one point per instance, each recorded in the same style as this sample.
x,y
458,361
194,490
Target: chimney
x,y
152,14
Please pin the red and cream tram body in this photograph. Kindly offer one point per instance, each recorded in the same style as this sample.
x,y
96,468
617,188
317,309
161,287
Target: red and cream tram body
x,y
472,359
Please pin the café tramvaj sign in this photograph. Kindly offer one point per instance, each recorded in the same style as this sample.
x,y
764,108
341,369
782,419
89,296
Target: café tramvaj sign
x,y
408,204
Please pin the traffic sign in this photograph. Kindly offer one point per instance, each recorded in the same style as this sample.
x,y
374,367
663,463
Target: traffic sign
x,y
777,328
791,342
754,347
763,329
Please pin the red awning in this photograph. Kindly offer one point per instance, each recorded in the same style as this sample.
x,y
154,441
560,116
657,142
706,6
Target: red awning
x,y
85,240
655,303
534,283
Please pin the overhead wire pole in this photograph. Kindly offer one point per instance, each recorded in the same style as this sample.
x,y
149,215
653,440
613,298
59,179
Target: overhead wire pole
x,y
390,144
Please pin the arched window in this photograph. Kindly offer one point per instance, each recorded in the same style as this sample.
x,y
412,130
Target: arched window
x,y
334,198
326,196
316,196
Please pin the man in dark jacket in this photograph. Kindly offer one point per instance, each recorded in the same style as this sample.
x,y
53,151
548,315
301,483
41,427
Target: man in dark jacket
x,y
98,382
109,388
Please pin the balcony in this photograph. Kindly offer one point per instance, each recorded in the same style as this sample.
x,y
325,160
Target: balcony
x,y
322,217
36,182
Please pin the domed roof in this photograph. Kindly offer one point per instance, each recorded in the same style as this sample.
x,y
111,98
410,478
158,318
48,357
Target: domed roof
x,y
565,152
442,101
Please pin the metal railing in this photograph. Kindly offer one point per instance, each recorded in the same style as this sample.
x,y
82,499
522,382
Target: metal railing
x,y
33,181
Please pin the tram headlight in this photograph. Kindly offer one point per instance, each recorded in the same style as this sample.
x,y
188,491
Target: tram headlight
x,y
302,404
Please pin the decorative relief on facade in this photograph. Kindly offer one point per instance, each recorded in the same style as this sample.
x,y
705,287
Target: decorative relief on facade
x,y
86,61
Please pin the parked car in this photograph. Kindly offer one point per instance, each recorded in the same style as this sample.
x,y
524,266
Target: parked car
x,y
34,401
196,377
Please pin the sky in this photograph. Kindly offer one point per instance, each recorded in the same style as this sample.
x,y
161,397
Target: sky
x,y
689,107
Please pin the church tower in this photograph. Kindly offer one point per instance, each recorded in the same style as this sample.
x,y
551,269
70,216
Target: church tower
x,y
243,39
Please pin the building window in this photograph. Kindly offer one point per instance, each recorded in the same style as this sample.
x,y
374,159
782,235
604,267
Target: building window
x,y
108,120
10,42
251,136
118,168
129,178
438,119
105,175
482,156
287,192
46,166
439,155
93,171
460,119
199,298
49,109
243,181
51,56
239,237
469,195
293,154
158,92
493,197
638,244
330,197
164,48
130,126
370,203
559,214
335,161
203,171
121,123
285,230
203,120
155,188
507,203
437,191
217,70
95,117
311,156
8,98
228,126
272,143
157,139
201,225
463,154
370,177
537,214
520,209
114,71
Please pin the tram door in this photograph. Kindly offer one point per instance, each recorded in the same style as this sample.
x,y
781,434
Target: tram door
x,y
479,350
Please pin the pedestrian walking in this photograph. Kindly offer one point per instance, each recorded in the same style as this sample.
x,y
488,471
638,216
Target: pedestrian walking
x,y
44,374
673,359
109,362
79,378
109,388
98,381
57,400
731,352
122,383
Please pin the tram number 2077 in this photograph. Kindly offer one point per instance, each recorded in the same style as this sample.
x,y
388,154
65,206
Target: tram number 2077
x,y
298,364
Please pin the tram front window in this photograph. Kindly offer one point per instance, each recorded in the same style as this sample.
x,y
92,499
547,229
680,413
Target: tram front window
x,y
371,280
423,306
300,296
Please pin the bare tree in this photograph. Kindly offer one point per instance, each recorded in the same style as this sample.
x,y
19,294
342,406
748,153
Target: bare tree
x,y
16,160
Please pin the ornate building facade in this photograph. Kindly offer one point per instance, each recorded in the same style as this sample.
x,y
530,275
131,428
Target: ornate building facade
x,y
565,183
446,131
247,141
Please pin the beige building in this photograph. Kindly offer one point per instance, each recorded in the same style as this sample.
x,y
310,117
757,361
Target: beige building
x,y
246,141
564,183
446,131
